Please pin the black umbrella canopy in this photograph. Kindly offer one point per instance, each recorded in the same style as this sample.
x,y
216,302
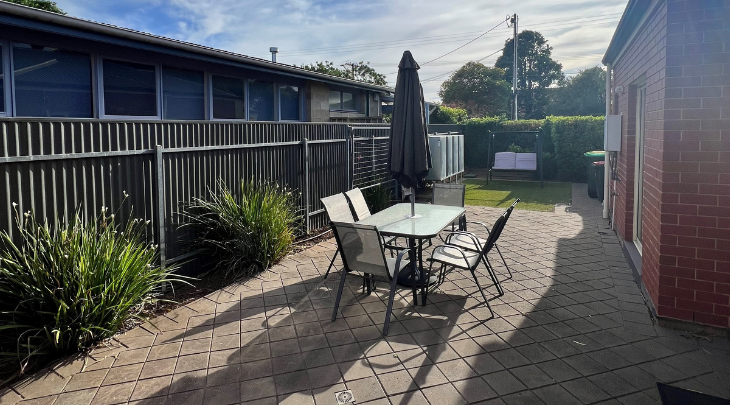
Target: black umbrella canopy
x,y
410,156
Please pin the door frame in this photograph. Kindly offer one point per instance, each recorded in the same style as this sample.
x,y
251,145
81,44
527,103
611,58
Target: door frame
x,y
639,161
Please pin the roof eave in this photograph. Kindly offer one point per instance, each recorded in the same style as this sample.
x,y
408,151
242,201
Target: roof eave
x,y
633,13
81,24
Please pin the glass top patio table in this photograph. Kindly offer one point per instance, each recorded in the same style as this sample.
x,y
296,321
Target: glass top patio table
x,y
430,220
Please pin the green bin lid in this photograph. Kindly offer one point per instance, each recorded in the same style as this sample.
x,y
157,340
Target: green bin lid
x,y
595,153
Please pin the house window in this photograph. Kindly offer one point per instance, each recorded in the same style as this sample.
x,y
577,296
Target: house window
x,y
130,89
342,101
50,82
2,81
183,94
261,100
289,103
228,98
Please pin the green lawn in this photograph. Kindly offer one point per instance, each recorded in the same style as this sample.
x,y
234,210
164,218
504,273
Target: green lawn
x,y
500,193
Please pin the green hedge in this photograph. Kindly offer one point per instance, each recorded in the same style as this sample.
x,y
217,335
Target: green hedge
x,y
573,136
447,115
565,141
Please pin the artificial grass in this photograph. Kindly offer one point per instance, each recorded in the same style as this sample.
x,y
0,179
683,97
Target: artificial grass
x,y
501,193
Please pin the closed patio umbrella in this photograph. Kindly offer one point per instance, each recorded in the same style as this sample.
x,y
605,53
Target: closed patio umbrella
x,y
410,156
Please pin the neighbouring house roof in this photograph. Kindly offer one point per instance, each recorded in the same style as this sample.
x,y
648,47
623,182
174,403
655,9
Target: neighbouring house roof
x,y
13,14
630,20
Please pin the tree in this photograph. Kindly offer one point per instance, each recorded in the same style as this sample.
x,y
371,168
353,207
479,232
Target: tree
x,y
583,94
360,71
447,115
40,4
536,72
480,90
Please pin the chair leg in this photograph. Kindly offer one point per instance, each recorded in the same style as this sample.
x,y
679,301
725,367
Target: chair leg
x,y
332,262
486,301
388,311
425,290
339,295
493,275
504,261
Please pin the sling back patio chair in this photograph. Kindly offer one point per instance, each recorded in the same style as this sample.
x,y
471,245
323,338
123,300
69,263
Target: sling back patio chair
x,y
450,258
452,195
466,241
361,211
338,210
363,252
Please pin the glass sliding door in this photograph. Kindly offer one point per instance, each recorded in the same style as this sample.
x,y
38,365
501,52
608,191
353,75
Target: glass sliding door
x,y
639,164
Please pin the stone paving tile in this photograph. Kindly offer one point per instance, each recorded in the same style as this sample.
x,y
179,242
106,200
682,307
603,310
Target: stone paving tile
x,y
572,327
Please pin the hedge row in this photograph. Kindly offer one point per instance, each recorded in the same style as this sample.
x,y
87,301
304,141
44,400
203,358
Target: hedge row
x,y
565,141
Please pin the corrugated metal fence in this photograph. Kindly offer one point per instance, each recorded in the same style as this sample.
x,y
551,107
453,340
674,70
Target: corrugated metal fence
x,y
53,167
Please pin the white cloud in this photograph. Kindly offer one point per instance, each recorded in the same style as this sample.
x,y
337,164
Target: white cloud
x,y
377,31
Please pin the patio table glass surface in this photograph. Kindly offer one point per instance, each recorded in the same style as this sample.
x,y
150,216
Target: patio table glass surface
x,y
429,221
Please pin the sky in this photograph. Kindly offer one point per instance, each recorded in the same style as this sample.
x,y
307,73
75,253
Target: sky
x,y
375,31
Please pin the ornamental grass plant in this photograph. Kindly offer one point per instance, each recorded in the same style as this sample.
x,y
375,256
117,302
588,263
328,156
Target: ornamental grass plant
x,y
64,288
246,231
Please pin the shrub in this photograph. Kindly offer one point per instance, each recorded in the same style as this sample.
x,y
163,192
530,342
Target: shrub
x,y
379,197
572,137
249,231
64,289
447,115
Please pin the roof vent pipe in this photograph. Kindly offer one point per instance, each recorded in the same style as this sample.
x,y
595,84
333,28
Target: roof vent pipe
x,y
274,50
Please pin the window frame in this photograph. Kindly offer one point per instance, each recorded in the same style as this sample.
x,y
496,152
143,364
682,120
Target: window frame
x,y
8,96
278,102
209,104
100,90
342,101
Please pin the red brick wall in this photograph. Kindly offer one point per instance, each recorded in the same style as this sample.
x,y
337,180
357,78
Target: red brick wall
x,y
642,63
686,239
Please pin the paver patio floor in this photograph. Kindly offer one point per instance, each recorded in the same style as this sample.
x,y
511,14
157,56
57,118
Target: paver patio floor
x,y
572,327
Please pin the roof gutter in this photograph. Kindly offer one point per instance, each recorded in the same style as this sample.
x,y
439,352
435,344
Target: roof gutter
x,y
72,22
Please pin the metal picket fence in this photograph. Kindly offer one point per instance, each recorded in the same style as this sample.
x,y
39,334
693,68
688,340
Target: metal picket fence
x,y
151,169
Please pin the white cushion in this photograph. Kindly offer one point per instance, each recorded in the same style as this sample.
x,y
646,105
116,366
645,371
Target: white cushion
x,y
504,160
526,161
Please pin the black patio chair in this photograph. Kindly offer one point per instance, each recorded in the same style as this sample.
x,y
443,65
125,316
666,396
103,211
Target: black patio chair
x,y
466,242
363,252
338,210
451,257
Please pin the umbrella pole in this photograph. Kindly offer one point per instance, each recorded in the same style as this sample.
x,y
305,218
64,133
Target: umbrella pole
x,y
413,202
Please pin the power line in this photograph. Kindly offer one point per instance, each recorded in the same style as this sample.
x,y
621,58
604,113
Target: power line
x,y
429,40
450,52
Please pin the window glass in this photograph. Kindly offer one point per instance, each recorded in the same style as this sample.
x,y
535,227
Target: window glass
x,y
51,83
183,94
348,101
129,89
335,102
289,103
228,98
2,82
261,101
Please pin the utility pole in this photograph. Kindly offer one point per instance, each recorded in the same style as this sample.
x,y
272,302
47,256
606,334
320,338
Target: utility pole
x,y
352,65
514,67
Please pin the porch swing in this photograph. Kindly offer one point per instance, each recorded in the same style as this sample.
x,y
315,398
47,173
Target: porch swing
x,y
515,163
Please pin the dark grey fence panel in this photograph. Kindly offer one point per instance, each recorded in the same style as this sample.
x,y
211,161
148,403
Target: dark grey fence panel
x,y
53,167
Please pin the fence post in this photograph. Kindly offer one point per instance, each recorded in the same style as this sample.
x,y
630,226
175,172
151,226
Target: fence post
x,y
160,175
305,153
350,159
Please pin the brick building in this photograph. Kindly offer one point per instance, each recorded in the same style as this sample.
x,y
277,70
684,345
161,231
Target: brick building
x,y
671,188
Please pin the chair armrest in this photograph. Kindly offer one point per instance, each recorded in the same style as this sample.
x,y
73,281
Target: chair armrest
x,y
442,247
479,223
470,235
